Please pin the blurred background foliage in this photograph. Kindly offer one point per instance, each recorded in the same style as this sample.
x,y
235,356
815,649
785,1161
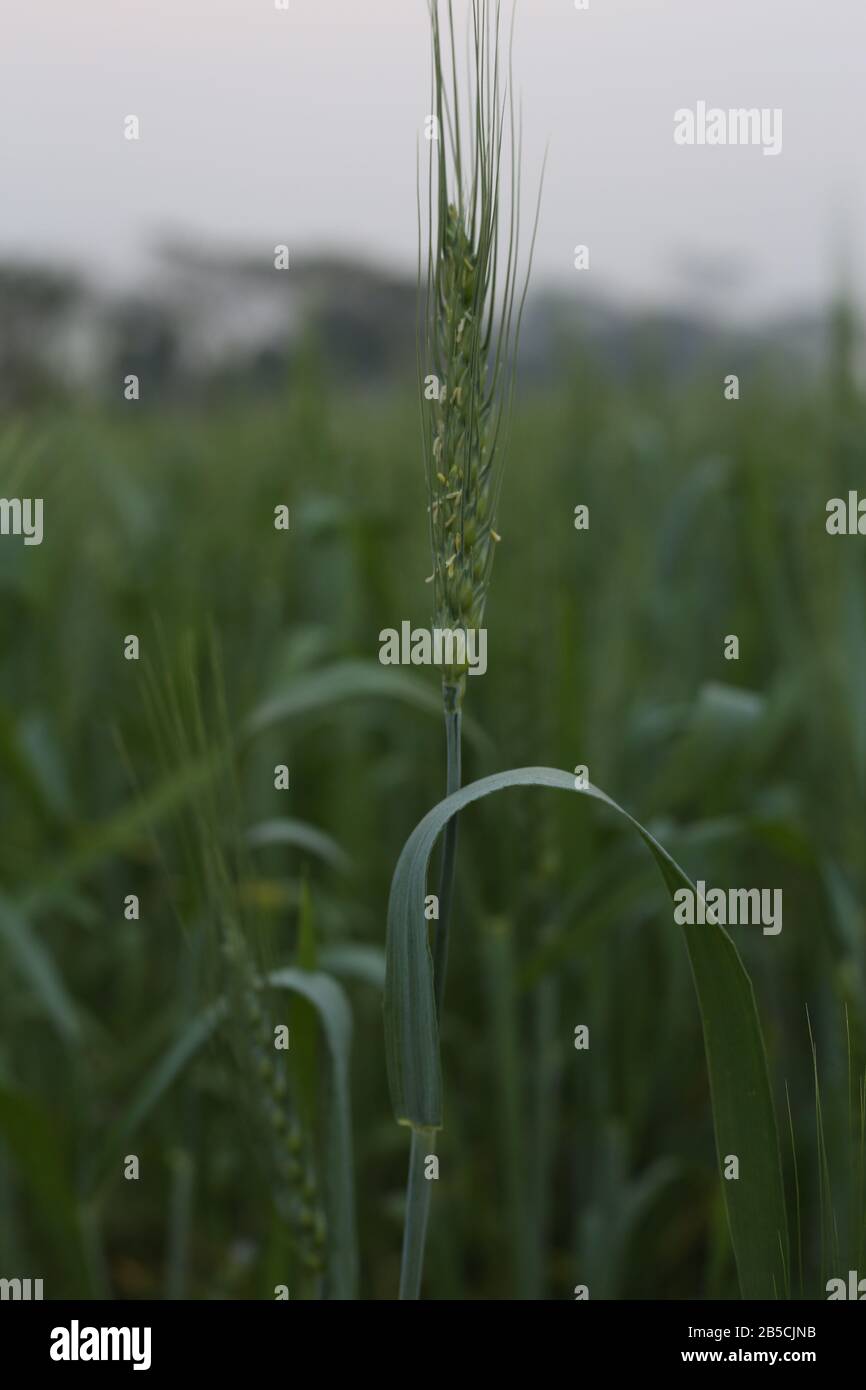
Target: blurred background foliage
x,y
707,518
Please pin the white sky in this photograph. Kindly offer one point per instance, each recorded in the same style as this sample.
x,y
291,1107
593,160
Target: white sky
x,y
260,126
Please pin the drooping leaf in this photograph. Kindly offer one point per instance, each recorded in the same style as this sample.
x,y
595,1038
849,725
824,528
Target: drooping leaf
x,y
311,693
355,962
743,1112
298,835
350,680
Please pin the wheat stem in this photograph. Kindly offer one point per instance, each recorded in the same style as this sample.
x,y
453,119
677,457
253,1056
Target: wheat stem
x,y
418,1192
418,1187
472,228
451,696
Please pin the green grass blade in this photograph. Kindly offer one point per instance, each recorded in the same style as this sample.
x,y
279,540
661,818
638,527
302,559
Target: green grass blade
x,y
307,695
743,1112
335,1016
298,834
355,961
36,966
304,1021
350,680
130,824
156,1083
500,969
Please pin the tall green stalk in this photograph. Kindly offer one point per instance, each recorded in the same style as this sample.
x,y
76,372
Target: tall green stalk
x,y
469,325
452,699
418,1192
419,1188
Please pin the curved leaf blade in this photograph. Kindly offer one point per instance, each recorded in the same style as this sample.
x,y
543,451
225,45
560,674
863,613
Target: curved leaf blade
x,y
350,680
355,961
743,1111
298,834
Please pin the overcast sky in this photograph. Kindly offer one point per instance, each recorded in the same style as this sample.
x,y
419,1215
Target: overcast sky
x,y
260,126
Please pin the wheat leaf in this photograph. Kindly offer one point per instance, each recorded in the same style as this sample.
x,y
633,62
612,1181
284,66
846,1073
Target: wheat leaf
x,y
743,1112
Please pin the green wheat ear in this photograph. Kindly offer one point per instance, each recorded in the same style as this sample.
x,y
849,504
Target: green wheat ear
x,y
468,332
467,341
